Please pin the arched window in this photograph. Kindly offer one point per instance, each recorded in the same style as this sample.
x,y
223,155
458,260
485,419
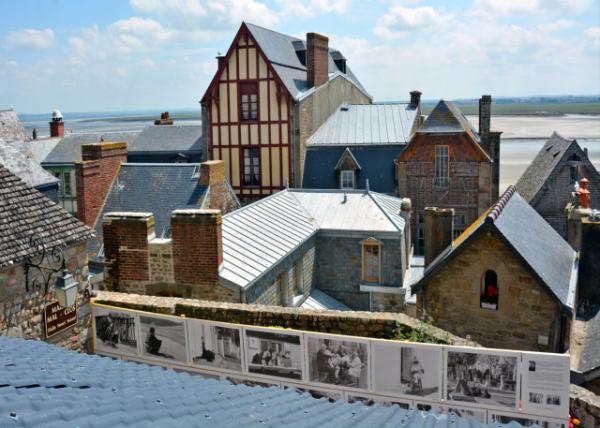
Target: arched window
x,y
489,291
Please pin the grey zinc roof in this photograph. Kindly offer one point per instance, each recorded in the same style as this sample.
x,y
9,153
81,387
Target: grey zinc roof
x,y
68,150
261,234
280,49
366,124
155,188
545,164
547,255
44,385
161,138
15,156
317,300
41,148
10,126
25,212
446,117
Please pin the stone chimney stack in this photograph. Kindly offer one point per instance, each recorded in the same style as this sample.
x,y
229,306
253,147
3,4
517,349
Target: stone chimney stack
x,y
126,237
415,99
405,213
317,59
57,126
439,227
485,116
197,246
94,175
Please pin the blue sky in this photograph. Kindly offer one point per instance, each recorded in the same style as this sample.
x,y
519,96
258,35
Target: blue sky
x,y
160,54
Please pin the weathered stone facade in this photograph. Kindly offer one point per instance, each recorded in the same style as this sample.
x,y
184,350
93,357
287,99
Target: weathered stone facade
x,y
10,126
526,312
22,312
585,405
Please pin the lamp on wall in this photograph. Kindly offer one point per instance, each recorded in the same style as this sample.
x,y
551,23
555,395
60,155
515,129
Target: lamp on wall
x,y
65,290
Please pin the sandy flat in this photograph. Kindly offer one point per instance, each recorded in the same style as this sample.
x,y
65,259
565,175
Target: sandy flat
x,y
571,126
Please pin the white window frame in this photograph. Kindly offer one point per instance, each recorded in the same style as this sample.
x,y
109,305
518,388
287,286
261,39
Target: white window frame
x,y
442,166
344,174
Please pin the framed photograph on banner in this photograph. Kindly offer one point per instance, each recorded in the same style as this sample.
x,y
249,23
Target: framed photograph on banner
x,y
163,338
215,345
115,332
546,379
274,353
407,370
338,360
482,378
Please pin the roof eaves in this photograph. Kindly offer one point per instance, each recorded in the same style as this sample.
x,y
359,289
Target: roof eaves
x,y
346,153
384,211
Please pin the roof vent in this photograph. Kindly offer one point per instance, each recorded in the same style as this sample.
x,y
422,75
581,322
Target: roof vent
x,y
345,107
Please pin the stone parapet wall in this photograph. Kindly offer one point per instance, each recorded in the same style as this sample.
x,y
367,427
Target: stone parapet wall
x,y
365,324
585,405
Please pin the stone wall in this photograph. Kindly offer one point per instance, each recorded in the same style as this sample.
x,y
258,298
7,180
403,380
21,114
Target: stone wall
x,y
525,310
365,324
316,108
22,313
585,405
339,268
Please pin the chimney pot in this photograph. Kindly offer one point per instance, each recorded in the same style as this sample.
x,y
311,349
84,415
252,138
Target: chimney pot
x,y
317,59
415,98
583,194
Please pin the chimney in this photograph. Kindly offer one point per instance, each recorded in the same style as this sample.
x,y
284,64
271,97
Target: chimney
x,y
493,150
57,126
485,116
415,99
197,246
220,59
405,213
439,226
212,175
126,237
317,59
94,175
583,194
165,119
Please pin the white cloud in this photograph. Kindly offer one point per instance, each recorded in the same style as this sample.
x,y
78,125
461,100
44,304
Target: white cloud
x,y
556,26
507,8
399,19
593,35
310,8
30,38
12,63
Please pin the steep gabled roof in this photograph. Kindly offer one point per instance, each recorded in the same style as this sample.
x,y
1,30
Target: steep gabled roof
x,y
16,156
446,117
541,249
545,165
25,212
346,157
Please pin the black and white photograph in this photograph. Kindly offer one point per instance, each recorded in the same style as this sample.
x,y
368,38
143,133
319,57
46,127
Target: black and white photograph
x,y
331,396
482,378
407,370
365,401
275,354
478,414
116,332
535,397
524,421
338,362
215,346
250,382
163,338
391,403
553,400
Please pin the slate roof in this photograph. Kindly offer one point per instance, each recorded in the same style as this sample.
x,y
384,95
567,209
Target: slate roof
x,y
168,138
24,212
318,300
542,250
261,234
155,188
16,156
68,150
44,385
280,49
544,165
366,124
41,147
376,165
10,126
446,117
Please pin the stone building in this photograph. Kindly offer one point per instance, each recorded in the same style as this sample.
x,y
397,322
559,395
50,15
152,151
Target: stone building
x,y
10,126
360,142
351,246
269,94
548,181
39,242
508,281
448,164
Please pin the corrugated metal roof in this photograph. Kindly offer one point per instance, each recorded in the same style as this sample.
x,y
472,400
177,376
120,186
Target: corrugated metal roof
x,y
366,124
44,385
261,234
317,300
20,161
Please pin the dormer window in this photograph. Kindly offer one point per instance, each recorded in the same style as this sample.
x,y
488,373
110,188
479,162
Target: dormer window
x,y
347,179
249,101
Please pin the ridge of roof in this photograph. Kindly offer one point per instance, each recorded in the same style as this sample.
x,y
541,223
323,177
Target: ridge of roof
x,y
497,208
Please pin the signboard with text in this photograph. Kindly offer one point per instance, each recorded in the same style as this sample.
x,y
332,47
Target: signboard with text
x,y
58,319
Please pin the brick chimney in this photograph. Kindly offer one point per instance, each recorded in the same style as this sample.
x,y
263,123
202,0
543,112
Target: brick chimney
x,y
94,176
439,226
197,246
485,116
212,174
57,126
583,194
317,59
415,99
126,237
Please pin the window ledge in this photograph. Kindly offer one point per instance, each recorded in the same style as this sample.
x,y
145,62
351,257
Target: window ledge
x,y
381,289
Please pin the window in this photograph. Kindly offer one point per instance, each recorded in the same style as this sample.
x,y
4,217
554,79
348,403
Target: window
x,y
67,183
347,179
371,249
574,173
489,291
249,101
441,166
420,240
251,167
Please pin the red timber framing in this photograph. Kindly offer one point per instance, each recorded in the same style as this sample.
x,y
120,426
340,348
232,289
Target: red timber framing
x,y
271,132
